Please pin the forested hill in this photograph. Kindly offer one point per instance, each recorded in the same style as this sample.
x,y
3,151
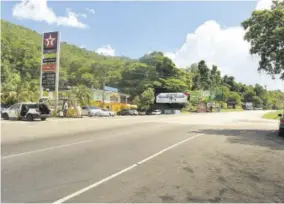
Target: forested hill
x,y
82,69
21,50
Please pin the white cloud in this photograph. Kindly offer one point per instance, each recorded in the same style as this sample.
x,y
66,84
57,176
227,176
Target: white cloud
x,y
83,46
263,4
106,50
92,11
83,15
226,48
38,10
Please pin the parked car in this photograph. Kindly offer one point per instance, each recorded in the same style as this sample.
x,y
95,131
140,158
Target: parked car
x,y
27,111
141,113
105,113
154,112
134,111
90,111
281,125
3,107
128,112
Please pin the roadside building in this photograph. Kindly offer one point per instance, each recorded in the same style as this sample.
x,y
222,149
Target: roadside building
x,y
110,98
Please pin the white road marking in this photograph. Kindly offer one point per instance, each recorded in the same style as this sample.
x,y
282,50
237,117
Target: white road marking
x,y
122,171
59,146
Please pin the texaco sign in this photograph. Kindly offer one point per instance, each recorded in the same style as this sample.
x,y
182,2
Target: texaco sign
x,y
50,42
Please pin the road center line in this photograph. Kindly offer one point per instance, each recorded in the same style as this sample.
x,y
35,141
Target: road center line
x,y
68,197
59,146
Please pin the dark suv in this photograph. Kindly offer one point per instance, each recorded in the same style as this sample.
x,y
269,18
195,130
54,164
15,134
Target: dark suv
x,y
128,112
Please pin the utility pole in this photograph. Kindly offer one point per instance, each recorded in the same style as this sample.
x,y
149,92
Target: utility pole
x,y
104,84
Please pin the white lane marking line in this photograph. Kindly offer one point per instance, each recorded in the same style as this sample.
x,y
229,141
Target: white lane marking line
x,y
60,146
122,171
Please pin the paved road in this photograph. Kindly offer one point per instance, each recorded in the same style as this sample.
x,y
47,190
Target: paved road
x,y
219,157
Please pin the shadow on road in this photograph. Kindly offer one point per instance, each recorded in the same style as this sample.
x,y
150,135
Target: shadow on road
x,y
263,138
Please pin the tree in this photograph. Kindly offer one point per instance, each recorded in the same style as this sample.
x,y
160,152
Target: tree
x,y
174,85
249,96
145,100
204,75
265,31
82,94
164,65
257,101
235,96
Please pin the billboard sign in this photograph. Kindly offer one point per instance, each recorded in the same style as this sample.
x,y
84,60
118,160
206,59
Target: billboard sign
x,y
172,98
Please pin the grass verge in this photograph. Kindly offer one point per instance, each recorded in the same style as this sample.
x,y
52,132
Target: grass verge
x,y
272,115
231,110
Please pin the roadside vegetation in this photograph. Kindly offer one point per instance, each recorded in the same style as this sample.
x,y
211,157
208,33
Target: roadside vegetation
x,y
231,110
82,69
272,115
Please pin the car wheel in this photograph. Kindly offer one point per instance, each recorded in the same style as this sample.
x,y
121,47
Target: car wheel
x,y
43,119
5,116
89,114
280,132
30,117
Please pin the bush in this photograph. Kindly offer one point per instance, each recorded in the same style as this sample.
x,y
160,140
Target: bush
x,y
223,105
53,113
71,113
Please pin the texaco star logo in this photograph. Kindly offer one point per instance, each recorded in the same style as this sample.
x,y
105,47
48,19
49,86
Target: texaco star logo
x,y
49,42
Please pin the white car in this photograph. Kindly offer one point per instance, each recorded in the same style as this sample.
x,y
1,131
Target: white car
x,y
105,113
27,111
157,112
154,112
90,111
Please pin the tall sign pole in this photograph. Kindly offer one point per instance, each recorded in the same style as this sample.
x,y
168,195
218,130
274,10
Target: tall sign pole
x,y
41,62
57,70
49,78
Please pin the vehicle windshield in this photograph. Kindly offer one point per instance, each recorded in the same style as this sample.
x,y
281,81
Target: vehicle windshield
x,y
93,107
31,105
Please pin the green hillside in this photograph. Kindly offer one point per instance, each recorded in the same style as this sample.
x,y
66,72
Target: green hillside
x,y
83,69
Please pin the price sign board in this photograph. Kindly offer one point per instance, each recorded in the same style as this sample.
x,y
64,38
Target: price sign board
x,y
48,81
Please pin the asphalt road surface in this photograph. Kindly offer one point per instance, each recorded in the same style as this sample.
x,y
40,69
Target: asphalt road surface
x,y
215,157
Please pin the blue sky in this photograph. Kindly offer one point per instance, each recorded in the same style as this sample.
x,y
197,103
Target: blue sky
x,y
186,32
135,28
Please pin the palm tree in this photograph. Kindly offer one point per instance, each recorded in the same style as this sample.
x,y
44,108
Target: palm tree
x,y
82,94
